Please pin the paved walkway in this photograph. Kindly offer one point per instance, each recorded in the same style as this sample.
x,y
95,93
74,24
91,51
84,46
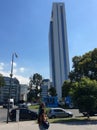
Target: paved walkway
x,y
31,125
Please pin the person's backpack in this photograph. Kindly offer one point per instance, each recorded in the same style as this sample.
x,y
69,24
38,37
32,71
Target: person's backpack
x,y
46,124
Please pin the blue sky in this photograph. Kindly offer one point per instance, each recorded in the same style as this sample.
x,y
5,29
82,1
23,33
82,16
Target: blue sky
x,y
24,27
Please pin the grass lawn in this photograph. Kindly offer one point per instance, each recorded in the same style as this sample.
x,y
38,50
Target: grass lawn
x,y
37,107
71,120
74,121
34,107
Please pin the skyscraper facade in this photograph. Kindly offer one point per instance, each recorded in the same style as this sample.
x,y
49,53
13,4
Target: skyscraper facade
x,y
58,47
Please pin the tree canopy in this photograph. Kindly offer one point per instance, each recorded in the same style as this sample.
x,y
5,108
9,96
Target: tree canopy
x,y
82,86
85,95
1,80
52,91
85,65
34,86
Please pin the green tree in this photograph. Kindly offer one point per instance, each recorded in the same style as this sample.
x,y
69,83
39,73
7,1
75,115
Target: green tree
x,y
84,66
31,96
1,80
85,95
83,82
66,88
52,91
35,83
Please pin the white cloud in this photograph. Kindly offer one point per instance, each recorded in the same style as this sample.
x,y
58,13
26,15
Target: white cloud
x,y
22,69
14,64
5,72
1,66
14,71
22,80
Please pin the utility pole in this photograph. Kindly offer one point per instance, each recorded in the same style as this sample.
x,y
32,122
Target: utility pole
x,y
11,75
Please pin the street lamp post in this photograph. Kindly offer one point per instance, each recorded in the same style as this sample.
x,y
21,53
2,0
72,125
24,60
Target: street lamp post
x,y
11,75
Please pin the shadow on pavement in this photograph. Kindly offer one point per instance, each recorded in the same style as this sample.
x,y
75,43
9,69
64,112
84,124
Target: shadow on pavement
x,y
73,121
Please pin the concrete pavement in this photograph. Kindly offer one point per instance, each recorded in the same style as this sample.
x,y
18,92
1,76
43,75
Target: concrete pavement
x,y
32,125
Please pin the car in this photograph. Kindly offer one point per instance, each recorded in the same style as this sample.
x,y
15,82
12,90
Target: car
x,y
28,104
5,105
24,114
91,113
59,113
22,105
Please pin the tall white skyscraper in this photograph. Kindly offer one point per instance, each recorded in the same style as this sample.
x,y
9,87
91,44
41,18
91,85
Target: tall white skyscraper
x,y
58,47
